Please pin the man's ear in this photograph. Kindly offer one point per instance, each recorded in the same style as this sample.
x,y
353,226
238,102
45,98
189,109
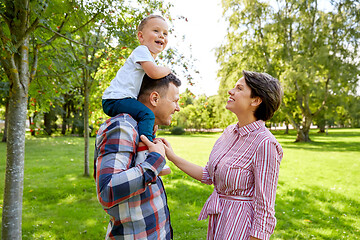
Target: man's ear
x,y
154,98
256,101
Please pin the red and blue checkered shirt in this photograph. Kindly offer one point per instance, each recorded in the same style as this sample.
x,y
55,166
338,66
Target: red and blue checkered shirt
x,y
134,196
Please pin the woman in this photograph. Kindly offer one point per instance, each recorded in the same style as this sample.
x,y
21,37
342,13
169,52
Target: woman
x,y
243,165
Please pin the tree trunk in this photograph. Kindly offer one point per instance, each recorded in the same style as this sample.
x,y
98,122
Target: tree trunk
x,y
322,128
31,121
75,113
86,123
15,154
14,176
48,121
287,128
64,119
303,131
6,121
302,136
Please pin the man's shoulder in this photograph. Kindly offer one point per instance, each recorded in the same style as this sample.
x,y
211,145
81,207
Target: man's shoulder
x,y
121,120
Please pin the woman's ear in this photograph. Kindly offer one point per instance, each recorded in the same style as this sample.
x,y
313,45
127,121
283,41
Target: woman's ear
x,y
154,98
256,101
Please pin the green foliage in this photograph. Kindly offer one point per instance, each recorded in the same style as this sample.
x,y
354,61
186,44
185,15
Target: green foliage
x,y
177,131
73,38
314,53
316,199
199,113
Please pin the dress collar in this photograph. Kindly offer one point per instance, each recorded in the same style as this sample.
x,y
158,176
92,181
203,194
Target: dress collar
x,y
248,128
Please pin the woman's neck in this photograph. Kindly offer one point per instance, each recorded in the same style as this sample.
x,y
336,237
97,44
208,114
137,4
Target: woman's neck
x,y
245,120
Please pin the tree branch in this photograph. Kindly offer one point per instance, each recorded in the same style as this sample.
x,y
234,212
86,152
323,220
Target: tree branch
x,y
3,37
92,19
35,63
7,20
96,41
69,39
55,75
55,36
298,96
325,97
15,78
28,31
6,68
289,116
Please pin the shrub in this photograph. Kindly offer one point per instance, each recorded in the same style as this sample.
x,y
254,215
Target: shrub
x,y
177,131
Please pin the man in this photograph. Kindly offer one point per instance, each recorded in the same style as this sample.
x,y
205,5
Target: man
x,y
133,194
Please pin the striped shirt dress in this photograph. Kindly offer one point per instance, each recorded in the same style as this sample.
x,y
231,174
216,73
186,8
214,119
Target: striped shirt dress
x,y
243,167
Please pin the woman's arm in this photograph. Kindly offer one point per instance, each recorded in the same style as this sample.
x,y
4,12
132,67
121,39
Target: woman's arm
x,y
266,171
191,169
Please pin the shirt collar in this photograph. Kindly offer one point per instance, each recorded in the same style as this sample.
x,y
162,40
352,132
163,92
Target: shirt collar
x,y
248,128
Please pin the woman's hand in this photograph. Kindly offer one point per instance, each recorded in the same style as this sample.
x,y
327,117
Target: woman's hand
x,y
156,146
170,154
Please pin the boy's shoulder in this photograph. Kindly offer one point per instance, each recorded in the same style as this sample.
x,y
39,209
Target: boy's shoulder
x,y
141,48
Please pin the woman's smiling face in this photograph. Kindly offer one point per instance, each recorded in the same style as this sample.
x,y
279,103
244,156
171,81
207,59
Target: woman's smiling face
x,y
240,100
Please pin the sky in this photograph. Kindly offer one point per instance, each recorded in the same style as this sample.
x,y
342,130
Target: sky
x,y
204,31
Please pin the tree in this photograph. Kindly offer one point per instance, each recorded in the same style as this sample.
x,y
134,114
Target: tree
x,y
27,28
314,53
15,28
19,20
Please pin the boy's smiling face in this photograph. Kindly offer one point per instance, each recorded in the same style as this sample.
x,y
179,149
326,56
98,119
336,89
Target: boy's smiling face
x,y
154,35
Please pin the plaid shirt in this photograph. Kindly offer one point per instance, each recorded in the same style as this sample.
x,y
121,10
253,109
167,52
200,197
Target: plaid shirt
x,y
134,196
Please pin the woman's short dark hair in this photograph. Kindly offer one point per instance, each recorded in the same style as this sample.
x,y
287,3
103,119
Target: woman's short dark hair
x,y
268,89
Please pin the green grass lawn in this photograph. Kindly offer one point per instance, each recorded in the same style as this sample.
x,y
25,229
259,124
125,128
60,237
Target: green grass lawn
x,y
317,196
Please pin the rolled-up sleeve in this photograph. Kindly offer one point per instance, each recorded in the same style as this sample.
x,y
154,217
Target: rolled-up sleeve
x,y
206,176
116,177
266,170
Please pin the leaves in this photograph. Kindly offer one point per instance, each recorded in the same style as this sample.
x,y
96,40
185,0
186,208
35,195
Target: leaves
x,y
311,51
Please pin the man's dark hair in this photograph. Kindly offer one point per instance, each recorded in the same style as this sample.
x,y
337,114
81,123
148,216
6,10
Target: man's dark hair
x,y
160,85
268,89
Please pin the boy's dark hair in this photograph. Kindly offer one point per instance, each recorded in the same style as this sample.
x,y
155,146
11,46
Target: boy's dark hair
x,y
268,89
146,19
160,85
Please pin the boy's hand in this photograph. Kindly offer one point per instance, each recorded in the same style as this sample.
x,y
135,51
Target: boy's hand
x,y
154,71
165,171
156,146
155,129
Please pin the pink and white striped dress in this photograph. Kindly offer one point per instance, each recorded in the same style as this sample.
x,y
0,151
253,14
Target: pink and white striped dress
x,y
244,168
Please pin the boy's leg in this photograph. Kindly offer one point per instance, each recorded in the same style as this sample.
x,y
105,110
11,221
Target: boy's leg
x,y
145,118
108,107
142,114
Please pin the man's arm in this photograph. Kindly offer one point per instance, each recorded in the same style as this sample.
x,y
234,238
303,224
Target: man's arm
x,y
116,179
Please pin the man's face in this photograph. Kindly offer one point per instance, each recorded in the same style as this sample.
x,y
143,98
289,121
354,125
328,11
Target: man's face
x,y
167,106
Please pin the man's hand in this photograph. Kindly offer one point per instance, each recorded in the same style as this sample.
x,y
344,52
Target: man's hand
x,y
156,146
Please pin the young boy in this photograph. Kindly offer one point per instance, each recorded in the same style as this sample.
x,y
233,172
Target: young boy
x,y
121,95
